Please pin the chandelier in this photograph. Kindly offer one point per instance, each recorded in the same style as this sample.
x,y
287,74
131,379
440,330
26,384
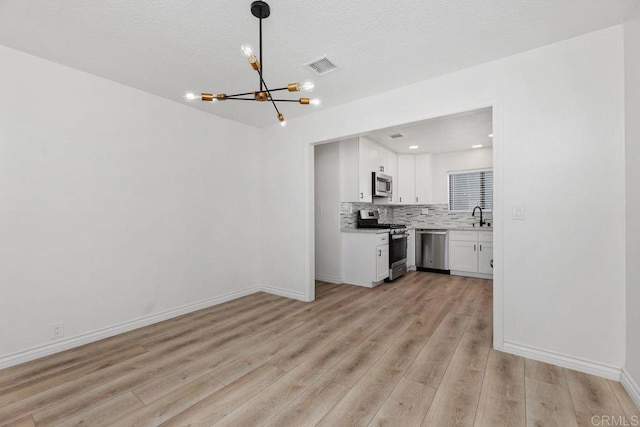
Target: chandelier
x,y
260,10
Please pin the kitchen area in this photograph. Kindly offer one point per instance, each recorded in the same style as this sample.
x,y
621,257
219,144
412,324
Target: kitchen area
x,y
414,197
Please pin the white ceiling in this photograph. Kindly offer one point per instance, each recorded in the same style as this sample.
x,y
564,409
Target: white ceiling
x,y
166,47
442,134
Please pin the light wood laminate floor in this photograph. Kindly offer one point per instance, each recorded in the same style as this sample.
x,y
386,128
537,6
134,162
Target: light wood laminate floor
x,y
414,352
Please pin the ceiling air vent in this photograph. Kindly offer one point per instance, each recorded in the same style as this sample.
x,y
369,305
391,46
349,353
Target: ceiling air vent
x,y
396,135
321,66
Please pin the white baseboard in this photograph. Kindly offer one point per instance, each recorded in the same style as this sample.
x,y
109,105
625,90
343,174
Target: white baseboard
x,y
582,365
284,293
329,279
86,338
475,275
631,386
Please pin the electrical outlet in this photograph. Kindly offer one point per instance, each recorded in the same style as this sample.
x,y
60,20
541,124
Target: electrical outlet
x,y
57,330
518,212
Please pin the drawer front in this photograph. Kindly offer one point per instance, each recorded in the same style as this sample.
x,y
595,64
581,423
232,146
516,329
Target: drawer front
x,y
464,236
485,236
383,239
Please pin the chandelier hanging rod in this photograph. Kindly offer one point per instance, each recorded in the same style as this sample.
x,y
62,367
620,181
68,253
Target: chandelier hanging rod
x,y
260,10
302,101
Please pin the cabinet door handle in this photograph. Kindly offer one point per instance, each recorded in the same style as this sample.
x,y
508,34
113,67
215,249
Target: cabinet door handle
x,y
362,195
379,252
474,247
480,248
416,200
400,199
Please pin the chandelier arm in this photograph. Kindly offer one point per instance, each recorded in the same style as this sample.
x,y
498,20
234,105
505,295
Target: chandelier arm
x,y
252,93
288,100
267,90
241,94
240,99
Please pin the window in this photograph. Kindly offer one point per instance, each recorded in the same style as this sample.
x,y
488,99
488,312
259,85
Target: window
x,y
470,189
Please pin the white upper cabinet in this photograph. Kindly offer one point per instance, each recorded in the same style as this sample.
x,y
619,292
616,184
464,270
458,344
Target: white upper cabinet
x,y
414,179
355,170
380,158
406,179
424,192
364,170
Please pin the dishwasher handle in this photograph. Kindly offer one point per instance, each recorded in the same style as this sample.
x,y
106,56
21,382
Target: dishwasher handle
x,y
442,233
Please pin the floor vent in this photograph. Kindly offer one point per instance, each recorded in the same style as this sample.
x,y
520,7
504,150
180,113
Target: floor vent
x,y
321,66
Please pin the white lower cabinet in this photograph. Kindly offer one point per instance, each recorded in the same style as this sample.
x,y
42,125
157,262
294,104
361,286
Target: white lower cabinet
x,y
485,258
365,258
471,253
382,263
463,256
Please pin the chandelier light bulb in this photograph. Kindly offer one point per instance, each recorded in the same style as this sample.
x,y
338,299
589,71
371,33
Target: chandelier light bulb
x,y
247,50
190,96
306,86
254,63
315,102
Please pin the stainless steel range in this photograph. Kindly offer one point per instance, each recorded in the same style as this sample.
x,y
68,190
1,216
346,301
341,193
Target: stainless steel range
x,y
398,237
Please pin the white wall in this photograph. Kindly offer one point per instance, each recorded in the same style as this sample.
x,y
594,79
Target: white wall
x,y
327,212
632,100
115,205
559,145
443,163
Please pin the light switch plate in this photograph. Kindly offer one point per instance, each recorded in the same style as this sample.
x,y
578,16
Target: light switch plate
x,y
425,211
518,212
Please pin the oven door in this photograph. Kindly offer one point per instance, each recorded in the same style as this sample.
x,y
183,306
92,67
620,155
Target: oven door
x,y
397,249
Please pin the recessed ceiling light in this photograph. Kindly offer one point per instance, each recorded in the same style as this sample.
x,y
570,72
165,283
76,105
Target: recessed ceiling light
x,y
490,135
413,147
477,146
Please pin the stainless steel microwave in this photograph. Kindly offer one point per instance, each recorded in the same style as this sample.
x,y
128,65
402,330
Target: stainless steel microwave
x,y
381,184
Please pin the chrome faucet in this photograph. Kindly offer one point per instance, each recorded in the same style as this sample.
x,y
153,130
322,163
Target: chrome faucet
x,y
474,214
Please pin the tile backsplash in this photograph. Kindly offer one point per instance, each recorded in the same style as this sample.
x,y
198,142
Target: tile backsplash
x,y
349,213
438,216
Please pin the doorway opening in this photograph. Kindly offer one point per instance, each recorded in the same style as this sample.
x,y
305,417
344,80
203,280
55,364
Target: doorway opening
x,y
420,157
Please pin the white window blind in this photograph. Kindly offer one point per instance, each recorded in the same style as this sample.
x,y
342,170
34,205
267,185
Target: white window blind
x,y
470,189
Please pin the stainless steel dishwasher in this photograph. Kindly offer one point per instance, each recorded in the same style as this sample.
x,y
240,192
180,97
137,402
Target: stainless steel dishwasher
x,y
432,249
